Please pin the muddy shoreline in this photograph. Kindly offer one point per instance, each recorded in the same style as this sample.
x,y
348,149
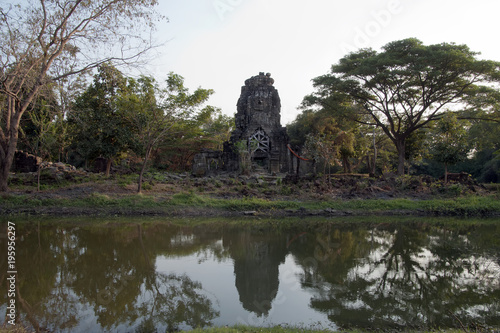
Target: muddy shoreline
x,y
213,212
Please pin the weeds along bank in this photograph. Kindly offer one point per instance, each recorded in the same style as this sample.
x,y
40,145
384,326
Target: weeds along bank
x,y
181,194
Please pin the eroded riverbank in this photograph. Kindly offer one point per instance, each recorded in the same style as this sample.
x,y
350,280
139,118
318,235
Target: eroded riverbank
x,y
195,205
237,196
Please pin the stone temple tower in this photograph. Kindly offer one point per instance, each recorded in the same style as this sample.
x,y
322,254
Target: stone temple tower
x,y
258,122
258,130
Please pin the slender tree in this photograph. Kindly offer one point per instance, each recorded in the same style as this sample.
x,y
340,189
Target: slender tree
x,y
45,138
47,40
155,112
406,86
325,132
207,129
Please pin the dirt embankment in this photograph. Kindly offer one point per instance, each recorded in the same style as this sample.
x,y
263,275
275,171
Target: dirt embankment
x,y
98,195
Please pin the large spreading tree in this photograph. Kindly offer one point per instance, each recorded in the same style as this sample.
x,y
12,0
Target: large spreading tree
x,y
406,86
45,41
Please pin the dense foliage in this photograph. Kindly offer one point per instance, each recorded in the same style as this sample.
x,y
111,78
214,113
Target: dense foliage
x,y
411,108
400,94
121,118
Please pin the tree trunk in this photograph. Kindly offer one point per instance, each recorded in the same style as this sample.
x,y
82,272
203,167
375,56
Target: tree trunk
x,y
10,133
446,173
4,176
400,146
374,153
109,161
347,165
146,157
297,172
7,151
4,173
38,174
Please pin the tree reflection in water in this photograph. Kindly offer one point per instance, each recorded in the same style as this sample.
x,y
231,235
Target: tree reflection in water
x,y
68,273
406,276
103,276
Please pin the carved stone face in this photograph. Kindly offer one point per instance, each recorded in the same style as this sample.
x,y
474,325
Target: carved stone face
x,y
258,104
261,100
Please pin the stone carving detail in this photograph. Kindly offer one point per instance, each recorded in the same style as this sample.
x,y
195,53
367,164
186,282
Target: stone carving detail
x,y
258,107
259,141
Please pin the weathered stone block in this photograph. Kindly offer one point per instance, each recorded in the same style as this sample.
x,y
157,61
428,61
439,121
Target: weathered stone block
x,y
24,162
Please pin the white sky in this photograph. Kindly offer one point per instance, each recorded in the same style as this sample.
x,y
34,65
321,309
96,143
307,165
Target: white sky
x,y
218,44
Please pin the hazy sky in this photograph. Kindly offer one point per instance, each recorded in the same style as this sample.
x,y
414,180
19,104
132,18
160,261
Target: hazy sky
x,y
218,44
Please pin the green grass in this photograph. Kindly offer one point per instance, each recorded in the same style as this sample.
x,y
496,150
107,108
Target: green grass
x,y
463,206
470,205
247,329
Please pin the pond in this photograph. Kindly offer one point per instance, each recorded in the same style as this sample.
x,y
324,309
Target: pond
x,y
151,274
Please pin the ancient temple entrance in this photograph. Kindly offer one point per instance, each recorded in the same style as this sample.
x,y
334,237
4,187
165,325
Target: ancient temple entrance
x,y
259,142
259,145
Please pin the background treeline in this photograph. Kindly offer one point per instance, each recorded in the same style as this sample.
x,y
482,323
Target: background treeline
x,y
352,147
410,109
119,118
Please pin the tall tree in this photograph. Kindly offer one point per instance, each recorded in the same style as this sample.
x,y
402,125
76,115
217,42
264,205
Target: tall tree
x,y
155,112
49,40
99,124
406,86
44,139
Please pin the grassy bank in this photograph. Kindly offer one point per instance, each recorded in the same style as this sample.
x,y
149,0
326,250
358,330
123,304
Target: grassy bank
x,y
279,329
182,203
172,194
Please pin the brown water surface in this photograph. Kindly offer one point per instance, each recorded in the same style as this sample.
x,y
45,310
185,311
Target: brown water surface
x,y
148,275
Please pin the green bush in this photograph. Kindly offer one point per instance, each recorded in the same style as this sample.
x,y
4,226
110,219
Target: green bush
x,y
285,190
98,199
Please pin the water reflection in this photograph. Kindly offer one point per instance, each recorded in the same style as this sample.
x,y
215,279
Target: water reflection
x,y
257,256
404,275
148,276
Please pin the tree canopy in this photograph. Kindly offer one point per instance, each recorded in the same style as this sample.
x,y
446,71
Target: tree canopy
x,y
406,86
449,145
101,128
156,113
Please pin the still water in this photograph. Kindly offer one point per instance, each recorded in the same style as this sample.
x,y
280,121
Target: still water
x,y
148,275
